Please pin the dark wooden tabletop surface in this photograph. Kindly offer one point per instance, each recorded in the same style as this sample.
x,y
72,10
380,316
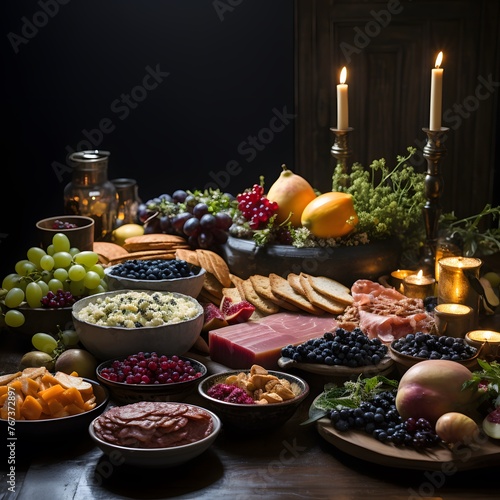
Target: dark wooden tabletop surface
x,y
293,461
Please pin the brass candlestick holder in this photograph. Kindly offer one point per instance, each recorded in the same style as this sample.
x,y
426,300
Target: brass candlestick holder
x,y
340,149
434,151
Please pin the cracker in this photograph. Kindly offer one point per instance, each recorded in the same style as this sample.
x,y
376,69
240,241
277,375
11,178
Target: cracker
x,y
263,304
319,300
206,296
294,280
212,285
108,251
144,255
155,241
215,264
232,293
190,256
282,288
156,238
262,286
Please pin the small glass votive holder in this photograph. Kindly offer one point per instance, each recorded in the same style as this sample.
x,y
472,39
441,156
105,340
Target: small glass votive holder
x,y
418,286
486,340
398,276
453,320
455,282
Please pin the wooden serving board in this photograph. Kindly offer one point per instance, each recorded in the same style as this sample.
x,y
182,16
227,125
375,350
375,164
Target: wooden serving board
x,y
486,453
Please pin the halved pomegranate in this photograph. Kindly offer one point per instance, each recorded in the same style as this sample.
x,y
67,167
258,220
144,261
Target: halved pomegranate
x,y
236,312
213,317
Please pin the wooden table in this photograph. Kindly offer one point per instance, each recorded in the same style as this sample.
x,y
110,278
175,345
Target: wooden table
x,y
291,462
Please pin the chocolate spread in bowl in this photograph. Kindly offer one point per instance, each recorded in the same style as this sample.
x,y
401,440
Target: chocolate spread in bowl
x,y
149,424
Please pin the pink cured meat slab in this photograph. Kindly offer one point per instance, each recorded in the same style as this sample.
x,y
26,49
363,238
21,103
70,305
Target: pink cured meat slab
x,y
260,342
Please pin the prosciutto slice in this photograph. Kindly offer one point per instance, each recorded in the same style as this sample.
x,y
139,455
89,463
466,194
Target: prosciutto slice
x,y
385,313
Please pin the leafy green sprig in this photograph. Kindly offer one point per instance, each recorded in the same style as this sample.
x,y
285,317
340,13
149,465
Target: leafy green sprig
x,y
353,392
388,201
486,381
476,239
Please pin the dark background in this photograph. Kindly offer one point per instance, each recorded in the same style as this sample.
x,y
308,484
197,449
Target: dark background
x,y
230,67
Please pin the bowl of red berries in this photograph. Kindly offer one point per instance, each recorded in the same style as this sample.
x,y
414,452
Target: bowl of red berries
x,y
253,399
150,376
78,228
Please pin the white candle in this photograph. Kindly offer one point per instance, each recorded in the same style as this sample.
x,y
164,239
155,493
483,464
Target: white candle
x,y
342,102
436,94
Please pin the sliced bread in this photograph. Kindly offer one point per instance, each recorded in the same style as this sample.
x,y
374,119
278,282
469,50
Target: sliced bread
x,y
282,289
331,288
319,300
263,304
262,286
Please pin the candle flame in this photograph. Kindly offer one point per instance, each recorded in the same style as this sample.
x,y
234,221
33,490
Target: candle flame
x,y
439,59
343,75
420,274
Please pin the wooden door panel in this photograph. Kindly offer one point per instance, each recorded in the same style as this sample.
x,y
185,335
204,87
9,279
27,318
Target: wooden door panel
x,y
389,87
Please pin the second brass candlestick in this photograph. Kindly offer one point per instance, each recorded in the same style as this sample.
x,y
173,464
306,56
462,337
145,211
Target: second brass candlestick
x,y
434,151
340,149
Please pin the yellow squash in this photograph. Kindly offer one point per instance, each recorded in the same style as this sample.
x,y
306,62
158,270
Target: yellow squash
x,y
330,215
292,193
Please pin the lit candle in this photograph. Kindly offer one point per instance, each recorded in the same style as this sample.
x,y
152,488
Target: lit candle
x,y
342,102
453,320
418,286
436,94
486,340
398,276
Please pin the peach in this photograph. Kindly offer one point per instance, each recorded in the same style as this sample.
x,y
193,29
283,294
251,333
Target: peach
x,y
432,388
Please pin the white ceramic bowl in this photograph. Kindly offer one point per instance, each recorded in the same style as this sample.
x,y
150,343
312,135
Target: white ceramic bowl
x,y
190,285
109,342
159,457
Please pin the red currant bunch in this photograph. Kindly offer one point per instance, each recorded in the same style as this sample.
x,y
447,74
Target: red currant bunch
x,y
255,207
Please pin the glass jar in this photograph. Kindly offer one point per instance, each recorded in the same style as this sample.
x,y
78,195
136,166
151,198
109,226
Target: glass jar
x,y
128,201
91,193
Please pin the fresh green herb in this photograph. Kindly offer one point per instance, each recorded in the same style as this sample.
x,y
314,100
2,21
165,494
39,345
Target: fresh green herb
x,y
349,395
486,380
473,231
353,392
388,201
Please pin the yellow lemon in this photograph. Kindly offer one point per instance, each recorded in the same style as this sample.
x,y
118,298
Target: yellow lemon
x,y
330,215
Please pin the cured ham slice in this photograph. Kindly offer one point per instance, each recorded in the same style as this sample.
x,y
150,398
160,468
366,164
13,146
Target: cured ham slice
x,y
384,312
260,341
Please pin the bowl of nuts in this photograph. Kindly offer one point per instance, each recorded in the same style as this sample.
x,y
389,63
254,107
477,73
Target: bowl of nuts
x,y
164,275
253,399
415,347
150,377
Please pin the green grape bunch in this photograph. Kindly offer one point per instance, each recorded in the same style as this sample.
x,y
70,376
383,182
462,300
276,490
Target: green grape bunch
x,y
50,278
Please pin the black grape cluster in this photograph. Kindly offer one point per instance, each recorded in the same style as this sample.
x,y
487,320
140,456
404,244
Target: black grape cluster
x,y
203,220
380,418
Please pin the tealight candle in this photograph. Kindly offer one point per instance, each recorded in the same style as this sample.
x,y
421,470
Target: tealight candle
x,y
418,286
454,285
488,340
398,276
453,320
